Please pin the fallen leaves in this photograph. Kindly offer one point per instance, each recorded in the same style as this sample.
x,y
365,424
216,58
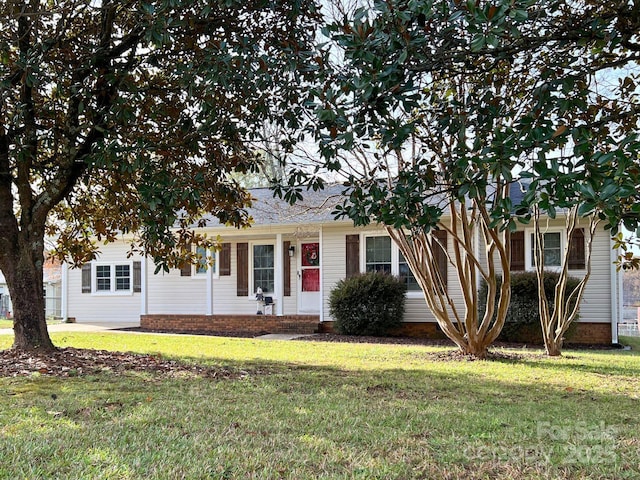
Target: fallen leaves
x,y
70,362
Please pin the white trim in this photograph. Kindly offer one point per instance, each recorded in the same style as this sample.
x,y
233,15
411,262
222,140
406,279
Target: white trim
x,y
395,259
320,247
278,277
528,261
64,307
252,294
112,279
209,273
144,297
616,293
299,268
195,275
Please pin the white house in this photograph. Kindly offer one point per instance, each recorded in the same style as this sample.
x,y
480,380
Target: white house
x,y
296,254
5,300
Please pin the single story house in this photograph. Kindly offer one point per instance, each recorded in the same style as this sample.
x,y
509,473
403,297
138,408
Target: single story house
x,y
5,299
295,255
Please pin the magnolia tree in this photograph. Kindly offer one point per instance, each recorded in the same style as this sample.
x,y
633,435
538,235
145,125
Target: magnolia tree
x,y
445,102
127,117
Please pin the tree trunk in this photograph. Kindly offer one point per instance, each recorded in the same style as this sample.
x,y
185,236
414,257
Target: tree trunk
x,y
23,272
478,349
553,347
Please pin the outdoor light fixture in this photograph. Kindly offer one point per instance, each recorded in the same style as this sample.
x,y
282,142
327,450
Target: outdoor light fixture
x,y
292,251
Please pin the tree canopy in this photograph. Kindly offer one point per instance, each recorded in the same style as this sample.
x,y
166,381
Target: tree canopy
x,y
455,100
122,116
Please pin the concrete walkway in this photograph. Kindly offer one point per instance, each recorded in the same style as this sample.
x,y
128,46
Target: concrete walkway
x,y
80,327
106,326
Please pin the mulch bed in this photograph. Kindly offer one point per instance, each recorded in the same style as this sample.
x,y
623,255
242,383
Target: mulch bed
x,y
71,362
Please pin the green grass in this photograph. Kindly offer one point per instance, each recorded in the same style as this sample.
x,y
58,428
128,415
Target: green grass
x,y
6,323
307,410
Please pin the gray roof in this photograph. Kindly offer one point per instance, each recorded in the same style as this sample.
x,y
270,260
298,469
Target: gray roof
x,y
315,207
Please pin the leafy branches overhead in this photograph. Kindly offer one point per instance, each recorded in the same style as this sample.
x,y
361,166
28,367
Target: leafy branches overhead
x,y
436,107
121,116
120,105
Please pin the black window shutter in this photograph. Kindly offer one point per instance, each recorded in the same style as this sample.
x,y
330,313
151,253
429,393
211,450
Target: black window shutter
x,y
576,250
440,255
352,255
86,278
225,260
242,281
517,251
137,276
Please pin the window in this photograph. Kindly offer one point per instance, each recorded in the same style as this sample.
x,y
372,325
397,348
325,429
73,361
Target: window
x,y
112,278
404,273
382,255
200,268
378,254
103,278
263,268
123,277
552,249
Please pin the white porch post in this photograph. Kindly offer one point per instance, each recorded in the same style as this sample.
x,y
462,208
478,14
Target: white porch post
x,y
209,284
144,299
616,294
279,276
64,307
320,243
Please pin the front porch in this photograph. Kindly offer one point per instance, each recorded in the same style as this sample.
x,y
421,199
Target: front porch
x,y
258,324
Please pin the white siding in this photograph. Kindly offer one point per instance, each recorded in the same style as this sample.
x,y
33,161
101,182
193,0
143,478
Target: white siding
x,y
334,251
171,293
596,303
91,307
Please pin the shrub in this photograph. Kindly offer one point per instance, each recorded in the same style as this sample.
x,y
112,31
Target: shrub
x,y
523,318
367,304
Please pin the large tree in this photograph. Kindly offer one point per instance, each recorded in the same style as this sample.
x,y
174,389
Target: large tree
x,y
120,115
451,100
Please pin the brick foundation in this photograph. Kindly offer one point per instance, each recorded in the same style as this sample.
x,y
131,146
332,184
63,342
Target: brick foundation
x,y
579,333
232,323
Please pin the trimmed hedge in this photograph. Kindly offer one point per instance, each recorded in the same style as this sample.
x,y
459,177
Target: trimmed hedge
x,y
367,304
523,318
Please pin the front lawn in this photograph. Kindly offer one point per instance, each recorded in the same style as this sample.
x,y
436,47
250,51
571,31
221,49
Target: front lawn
x,y
308,410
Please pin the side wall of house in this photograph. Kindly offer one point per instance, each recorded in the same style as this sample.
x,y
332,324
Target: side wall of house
x,y
103,307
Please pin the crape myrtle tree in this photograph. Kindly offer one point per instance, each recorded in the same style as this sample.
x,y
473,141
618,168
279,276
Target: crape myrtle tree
x,y
581,137
447,101
127,116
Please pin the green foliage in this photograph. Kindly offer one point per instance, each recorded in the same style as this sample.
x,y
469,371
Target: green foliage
x,y
367,304
523,318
